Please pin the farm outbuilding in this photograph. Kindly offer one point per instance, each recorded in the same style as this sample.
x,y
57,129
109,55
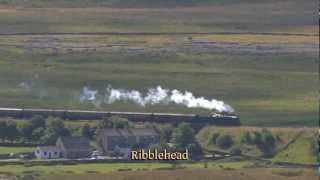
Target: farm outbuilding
x,y
74,147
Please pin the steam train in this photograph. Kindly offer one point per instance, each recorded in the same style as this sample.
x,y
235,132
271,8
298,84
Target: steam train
x,y
215,118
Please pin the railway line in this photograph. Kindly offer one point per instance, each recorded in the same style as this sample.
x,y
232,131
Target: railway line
x,y
216,119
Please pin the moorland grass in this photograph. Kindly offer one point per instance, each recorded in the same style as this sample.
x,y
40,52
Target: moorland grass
x,y
294,17
265,90
109,167
191,174
7,150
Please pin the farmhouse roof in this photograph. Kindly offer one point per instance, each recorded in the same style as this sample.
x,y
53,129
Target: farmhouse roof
x,y
48,148
76,143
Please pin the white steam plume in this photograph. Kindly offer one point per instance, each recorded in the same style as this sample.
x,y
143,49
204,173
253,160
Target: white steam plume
x,y
154,96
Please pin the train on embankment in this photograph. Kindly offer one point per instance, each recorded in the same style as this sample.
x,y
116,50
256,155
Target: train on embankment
x,y
213,119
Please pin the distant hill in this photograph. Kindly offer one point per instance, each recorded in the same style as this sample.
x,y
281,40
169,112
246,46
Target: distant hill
x,y
111,3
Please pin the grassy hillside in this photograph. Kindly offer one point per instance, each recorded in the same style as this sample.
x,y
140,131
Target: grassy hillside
x,y
114,3
114,171
291,144
281,93
4,150
201,174
278,16
264,88
300,151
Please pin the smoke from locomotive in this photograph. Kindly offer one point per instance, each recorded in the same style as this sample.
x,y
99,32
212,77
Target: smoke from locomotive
x,y
153,96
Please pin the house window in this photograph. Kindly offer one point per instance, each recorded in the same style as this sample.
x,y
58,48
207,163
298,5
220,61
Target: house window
x,y
45,153
55,153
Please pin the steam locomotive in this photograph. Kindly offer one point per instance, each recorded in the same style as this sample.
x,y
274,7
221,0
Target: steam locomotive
x,y
214,118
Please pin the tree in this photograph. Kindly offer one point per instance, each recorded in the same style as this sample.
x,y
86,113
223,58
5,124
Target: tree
x,y
247,138
113,122
195,150
25,130
165,132
38,133
118,122
257,138
268,143
11,131
105,123
224,141
3,126
86,131
183,135
55,128
38,121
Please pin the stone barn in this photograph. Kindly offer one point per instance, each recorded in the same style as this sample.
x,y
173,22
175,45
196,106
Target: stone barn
x,y
74,147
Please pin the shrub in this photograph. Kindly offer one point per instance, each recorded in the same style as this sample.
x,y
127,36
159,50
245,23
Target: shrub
x,y
257,138
268,143
224,141
195,151
236,151
247,138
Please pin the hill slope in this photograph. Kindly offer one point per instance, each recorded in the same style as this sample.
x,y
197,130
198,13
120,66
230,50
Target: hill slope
x,y
80,3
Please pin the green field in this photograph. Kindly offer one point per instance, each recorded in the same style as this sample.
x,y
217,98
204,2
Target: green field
x,y
292,145
295,16
84,3
218,170
103,168
261,57
266,89
298,152
201,174
5,150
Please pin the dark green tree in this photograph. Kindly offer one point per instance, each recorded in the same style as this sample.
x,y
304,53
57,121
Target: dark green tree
x,y
55,128
247,138
86,131
165,132
183,136
195,150
38,133
257,138
113,122
118,122
25,130
268,143
11,131
105,123
224,141
38,121
3,127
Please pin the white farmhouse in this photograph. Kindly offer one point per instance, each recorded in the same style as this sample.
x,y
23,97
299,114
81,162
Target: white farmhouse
x,y
48,152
